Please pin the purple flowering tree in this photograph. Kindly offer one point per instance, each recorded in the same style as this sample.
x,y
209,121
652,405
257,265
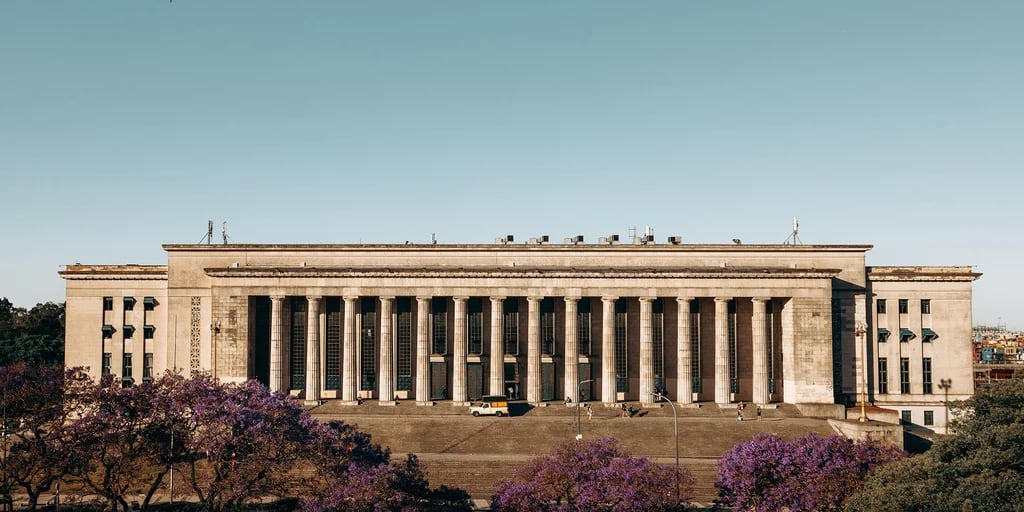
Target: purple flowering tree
x,y
593,476
810,473
37,402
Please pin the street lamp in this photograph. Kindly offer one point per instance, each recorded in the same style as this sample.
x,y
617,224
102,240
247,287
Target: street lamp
x,y
944,385
860,331
579,398
675,428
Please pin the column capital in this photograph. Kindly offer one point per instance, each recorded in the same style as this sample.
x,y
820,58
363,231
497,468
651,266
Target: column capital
x,y
423,299
571,299
609,299
497,298
684,300
647,299
762,300
460,298
386,298
350,298
534,299
722,299
277,298
313,298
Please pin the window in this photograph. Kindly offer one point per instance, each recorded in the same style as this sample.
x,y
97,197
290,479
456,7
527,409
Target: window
x,y
906,335
106,363
129,303
926,375
927,335
883,335
904,375
926,306
511,325
547,326
475,325
297,344
929,417
621,367
108,303
108,331
148,303
367,346
880,306
583,326
147,367
334,325
904,306
126,369
734,381
883,376
695,366
905,416
403,312
128,330
147,331
658,339
439,326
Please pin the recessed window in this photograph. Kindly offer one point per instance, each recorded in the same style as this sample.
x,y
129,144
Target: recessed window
x,y
147,331
929,417
904,306
880,306
905,416
129,303
906,335
883,335
926,375
106,363
108,303
905,375
147,366
883,376
129,331
108,331
928,335
926,306
148,303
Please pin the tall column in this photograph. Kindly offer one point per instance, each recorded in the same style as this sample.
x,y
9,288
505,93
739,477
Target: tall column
x,y
386,379
533,351
459,357
684,359
313,351
608,395
646,352
348,366
722,395
759,331
572,358
497,384
422,351
276,345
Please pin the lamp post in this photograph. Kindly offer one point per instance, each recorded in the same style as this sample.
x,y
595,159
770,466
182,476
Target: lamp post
x,y
944,385
860,331
675,428
579,399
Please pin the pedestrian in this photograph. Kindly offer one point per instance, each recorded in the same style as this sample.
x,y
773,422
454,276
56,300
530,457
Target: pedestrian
x,y
623,408
590,412
739,414
510,390
759,413
630,411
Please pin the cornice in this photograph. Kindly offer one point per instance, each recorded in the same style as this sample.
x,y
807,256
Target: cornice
x,y
525,273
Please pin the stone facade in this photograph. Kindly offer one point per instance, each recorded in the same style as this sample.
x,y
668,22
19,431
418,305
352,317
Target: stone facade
x,y
696,323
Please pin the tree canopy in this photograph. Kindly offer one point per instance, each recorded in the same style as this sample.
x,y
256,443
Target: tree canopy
x,y
591,475
980,466
34,336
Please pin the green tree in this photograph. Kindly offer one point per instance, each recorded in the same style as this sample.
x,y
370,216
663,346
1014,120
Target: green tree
x,y
980,466
34,336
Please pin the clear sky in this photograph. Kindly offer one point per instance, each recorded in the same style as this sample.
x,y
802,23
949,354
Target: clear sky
x,y
128,124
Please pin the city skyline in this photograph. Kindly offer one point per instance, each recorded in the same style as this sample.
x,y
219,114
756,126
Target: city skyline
x,y
128,125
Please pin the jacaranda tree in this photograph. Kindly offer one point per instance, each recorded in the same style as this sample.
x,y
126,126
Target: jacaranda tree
x,y
591,476
810,473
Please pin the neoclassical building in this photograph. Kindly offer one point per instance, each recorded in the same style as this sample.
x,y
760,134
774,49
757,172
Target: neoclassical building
x,y
540,322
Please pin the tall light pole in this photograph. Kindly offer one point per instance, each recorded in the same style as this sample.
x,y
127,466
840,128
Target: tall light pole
x,y
579,399
860,331
675,428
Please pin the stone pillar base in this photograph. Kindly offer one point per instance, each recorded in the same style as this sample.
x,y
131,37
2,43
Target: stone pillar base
x,y
427,404
349,402
312,402
391,403
460,404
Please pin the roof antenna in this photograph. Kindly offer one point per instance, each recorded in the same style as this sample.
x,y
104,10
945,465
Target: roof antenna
x,y
209,233
224,232
794,238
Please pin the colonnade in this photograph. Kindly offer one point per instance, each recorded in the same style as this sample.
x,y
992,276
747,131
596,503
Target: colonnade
x,y
684,393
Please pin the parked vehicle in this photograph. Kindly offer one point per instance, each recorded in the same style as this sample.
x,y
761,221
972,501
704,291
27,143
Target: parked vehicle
x,y
490,405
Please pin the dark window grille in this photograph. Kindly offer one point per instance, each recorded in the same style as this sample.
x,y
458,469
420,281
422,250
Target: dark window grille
x,y
734,381
583,326
129,303
621,363
332,343
880,306
883,375
926,306
929,417
926,375
148,303
297,342
147,366
108,303
904,375
106,363
126,367
658,339
695,366
772,349
475,326
439,326
904,305
547,326
403,307
367,348
511,321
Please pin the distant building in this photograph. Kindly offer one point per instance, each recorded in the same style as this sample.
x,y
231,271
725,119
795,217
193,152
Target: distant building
x,y
541,322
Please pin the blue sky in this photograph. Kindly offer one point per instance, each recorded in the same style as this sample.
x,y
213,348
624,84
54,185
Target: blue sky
x,y
128,124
